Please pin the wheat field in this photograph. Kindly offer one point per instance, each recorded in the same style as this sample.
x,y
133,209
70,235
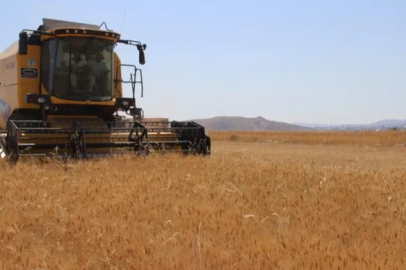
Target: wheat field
x,y
254,204
356,138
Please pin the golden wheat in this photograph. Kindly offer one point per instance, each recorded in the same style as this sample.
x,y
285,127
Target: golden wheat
x,y
249,206
374,138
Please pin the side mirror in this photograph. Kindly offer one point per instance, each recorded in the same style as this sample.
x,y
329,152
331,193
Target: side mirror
x,y
23,43
142,54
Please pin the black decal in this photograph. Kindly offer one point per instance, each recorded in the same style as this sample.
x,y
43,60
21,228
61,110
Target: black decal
x,y
31,73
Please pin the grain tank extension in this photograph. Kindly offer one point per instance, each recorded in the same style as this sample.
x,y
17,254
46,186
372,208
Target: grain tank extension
x,y
61,94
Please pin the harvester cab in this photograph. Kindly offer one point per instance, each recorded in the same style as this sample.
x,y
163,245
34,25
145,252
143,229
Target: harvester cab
x,y
61,93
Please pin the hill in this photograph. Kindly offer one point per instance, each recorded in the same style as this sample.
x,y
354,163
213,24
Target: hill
x,y
379,125
228,123
390,123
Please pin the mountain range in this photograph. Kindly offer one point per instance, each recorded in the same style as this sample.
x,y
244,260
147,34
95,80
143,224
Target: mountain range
x,y
237,123
383,124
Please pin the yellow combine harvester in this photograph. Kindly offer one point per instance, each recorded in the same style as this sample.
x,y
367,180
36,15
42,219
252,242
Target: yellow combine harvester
x,y
61,94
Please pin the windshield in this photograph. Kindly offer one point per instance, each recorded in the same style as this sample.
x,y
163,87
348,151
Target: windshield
x,y
81,68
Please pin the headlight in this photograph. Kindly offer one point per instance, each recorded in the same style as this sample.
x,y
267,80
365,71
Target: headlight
x,y
125,103
41,100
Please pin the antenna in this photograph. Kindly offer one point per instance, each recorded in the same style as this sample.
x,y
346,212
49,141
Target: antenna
x,y
122,24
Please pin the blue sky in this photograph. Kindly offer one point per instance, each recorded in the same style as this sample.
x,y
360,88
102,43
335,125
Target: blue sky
x,y
292,61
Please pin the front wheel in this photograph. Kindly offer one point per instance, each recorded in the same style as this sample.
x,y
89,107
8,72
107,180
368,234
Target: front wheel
x,y
205,146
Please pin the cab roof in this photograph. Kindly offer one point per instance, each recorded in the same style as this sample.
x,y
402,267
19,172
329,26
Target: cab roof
x,y
49,24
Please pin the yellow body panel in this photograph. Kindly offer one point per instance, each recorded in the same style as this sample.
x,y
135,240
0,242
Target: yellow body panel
x,y
28,85
8,84
14,88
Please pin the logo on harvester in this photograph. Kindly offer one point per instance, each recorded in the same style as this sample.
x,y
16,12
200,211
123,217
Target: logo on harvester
x,y
31,62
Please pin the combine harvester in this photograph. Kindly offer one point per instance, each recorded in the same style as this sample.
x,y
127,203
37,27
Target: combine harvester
x,y
61,94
